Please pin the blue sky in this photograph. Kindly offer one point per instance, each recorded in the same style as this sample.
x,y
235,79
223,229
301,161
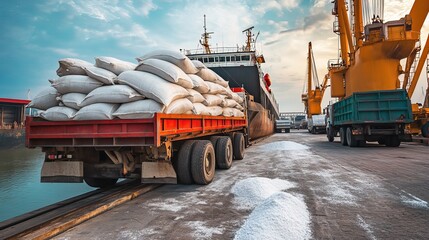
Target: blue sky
x,y
36,34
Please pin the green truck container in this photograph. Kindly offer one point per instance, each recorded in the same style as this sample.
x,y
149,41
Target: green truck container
x,y
371,116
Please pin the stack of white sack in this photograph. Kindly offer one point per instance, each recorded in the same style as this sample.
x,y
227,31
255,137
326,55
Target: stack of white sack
x,y
209,93
163,81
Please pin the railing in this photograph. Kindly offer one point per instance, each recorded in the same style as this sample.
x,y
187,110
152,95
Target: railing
x,y
214,50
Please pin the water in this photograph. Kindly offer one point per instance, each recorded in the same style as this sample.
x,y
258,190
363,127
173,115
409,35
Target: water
x,y
20,188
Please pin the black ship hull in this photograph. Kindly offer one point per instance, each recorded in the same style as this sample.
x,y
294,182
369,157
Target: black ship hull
x,y
262,111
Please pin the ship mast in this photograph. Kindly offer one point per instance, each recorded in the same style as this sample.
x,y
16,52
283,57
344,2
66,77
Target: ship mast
x,y
249,36
205,38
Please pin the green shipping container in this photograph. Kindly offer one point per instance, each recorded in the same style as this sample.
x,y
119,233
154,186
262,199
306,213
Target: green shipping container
x,y
378,107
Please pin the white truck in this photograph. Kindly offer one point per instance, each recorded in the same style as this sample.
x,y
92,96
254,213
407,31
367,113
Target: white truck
x,y
283,123
317,124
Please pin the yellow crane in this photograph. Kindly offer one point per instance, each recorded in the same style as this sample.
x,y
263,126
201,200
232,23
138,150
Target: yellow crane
x,y
370,56
420,113
312,97
367,72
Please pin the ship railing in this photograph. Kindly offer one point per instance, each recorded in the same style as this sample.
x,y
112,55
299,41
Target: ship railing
x,y
214,50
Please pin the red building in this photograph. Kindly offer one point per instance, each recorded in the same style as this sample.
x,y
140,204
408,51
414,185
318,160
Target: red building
x,y
12,112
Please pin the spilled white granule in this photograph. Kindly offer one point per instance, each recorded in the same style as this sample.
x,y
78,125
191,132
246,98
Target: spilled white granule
x,y
414,201
281,216
252,191
201,231
281,145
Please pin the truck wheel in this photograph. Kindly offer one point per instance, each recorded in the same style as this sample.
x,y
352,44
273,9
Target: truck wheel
x,y
203,162
343,137
287,130
425,130
393,141
223,152
100,182
382,141
330,134
183,166
238,146
313,130
351,140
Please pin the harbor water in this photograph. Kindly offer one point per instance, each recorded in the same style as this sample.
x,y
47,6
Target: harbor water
x,y
20,188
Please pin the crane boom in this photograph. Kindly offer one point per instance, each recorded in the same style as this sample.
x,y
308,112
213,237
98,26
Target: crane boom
x,y
419,68
418,14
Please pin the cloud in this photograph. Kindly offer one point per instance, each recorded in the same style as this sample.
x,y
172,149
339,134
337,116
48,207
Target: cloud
x,y
103,10
64,52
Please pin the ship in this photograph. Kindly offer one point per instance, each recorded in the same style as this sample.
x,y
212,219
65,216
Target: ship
x,y
241,67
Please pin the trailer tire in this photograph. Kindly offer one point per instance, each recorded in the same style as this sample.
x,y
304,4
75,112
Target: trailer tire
x,y
238,146
223,152
393,141
313,130
203,162
183,165
330,134
100,182
382,141
351,140
287,130
343,137
425,130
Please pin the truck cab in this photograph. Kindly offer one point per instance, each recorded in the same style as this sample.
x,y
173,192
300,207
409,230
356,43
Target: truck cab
x,y
283,124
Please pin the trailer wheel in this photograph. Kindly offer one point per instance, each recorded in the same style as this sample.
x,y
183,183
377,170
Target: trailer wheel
x,y
183,166
382,141
330,134
203,162
223,151
425,129
287,130
343,137
393,141
100,182
313,130
351,140
238,146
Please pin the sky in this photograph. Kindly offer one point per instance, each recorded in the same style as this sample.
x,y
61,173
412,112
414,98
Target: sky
x,y
36,34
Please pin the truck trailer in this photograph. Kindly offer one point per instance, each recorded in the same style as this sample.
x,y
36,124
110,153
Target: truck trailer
x,y
375,116
167,148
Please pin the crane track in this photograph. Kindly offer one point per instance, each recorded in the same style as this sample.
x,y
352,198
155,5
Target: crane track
x,y
59,217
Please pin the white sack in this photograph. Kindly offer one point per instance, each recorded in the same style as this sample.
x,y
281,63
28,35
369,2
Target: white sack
x,y
215,110
216,88
231,103
213,100
199,84
176,58
237,98
145,108
45,99
58,114
100,74
97,111
179,106
228,112
166,71
198,64
200,109
238,113
75,83
207,74
196,97
221,81
72,100
114,65
111,94
152,86
72,66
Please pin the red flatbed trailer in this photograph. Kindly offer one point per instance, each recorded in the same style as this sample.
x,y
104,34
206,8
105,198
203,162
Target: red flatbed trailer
x,y
127,132
101,151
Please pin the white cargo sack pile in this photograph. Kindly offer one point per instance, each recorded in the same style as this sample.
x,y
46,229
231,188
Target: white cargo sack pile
x,y
162,82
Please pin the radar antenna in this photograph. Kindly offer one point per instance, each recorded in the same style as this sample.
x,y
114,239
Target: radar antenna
x,y
204,41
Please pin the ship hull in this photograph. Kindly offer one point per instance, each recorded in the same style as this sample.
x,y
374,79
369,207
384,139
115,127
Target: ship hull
x,y
262,111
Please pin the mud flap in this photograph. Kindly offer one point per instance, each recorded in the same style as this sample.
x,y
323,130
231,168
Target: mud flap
x,y
62,172
158,172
